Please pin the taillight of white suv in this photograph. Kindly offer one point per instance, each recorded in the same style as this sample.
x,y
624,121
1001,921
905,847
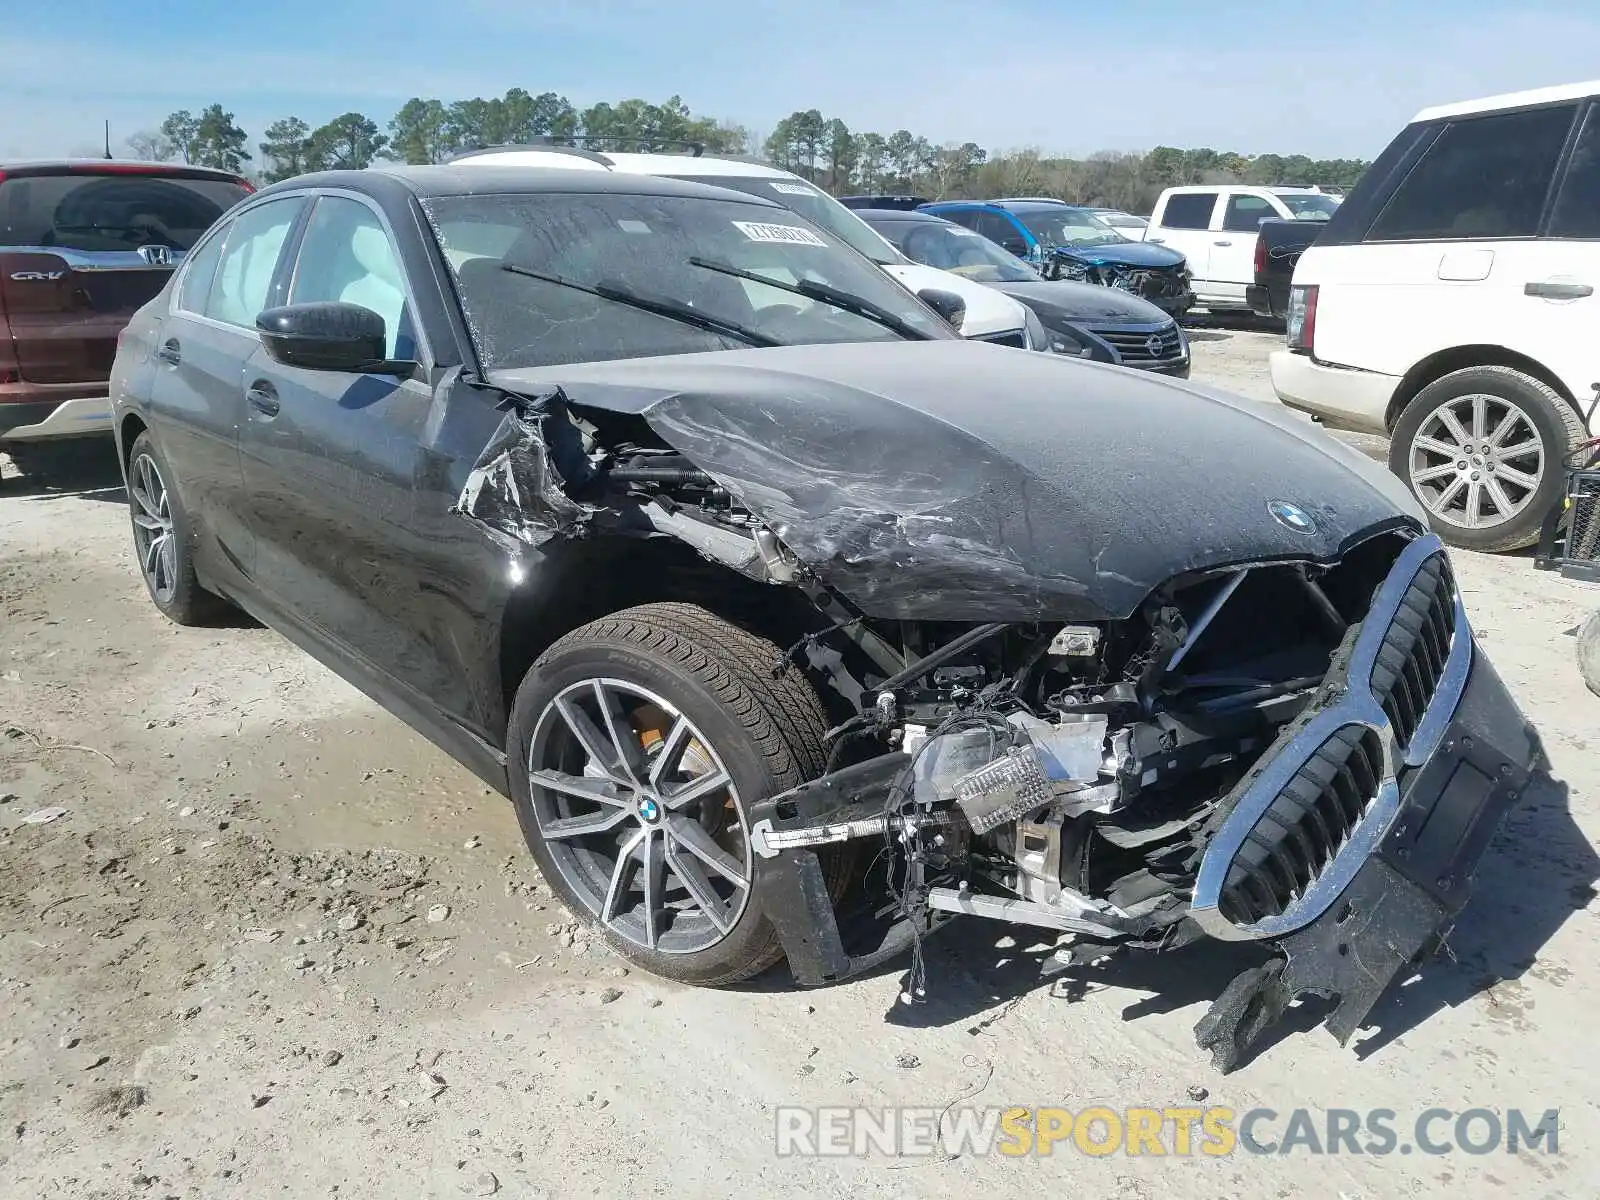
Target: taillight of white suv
x,y
1302,318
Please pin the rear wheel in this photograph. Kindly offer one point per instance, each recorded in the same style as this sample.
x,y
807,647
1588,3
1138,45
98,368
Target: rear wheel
x,y
162,538
1481,449
636,745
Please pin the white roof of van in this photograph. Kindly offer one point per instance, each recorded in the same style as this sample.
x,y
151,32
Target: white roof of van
x,y
1545,95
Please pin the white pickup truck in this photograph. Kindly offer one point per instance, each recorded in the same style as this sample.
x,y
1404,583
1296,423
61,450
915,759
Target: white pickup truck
x,y
1215,226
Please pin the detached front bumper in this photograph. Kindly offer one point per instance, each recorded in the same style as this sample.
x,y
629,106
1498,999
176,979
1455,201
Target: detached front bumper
x,y
1403,899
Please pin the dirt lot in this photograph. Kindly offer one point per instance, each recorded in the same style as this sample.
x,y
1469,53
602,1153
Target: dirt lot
x,y
277,944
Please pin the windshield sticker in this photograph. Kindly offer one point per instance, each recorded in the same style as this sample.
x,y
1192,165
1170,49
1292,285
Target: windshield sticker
x,y
794,189
631,226
791,235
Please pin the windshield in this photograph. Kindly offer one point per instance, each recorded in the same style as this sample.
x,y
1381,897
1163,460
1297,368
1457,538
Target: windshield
x,y
1119,220
1309,206
959,251
816,206
87,212
1070,227
641,245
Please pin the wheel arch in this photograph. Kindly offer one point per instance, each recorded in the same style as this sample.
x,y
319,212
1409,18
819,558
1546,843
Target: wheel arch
x,y
579,582
128,431
1458,358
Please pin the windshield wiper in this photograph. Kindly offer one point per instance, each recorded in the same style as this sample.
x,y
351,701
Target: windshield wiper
x,y
659,305
827,294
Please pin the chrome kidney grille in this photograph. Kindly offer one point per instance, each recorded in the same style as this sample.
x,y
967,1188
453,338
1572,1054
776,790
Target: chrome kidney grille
x,y
1306,817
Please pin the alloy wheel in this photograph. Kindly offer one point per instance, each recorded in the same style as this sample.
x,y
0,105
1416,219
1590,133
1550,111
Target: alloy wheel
x,y
153,537
1476,461
640,816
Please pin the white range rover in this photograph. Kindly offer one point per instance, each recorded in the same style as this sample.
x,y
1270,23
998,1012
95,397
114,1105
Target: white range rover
x,y
1451,304
991,315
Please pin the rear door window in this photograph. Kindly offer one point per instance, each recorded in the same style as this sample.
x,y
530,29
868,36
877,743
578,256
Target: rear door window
x,y
249,262
1189,210
1245,213
201,269
89,213
1577,211
1483,177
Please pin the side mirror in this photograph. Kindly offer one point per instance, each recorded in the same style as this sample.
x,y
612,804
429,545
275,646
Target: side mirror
x,y
1015,246
947,304
329,336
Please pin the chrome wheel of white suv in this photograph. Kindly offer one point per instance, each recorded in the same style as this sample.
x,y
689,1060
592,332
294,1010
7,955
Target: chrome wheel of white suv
x,y
1481,449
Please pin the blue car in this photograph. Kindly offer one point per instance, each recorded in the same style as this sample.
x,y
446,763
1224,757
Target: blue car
x,y
1067,242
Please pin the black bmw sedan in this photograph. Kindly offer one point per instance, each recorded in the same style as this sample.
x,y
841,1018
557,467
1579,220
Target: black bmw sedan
x,y
795,625
1104,324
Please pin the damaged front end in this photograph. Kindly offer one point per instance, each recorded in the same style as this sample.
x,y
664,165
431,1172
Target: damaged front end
x,y
1044,718
1215,784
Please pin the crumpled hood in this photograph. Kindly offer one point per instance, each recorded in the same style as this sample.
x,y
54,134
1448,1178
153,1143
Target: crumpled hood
x,y
952,480
1123,254
1071,301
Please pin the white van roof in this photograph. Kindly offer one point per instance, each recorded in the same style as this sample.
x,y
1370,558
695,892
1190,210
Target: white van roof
x,y
1545,95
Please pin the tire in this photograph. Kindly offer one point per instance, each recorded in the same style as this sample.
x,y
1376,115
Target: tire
x,y
163,538
1589,653
657,664
1473,473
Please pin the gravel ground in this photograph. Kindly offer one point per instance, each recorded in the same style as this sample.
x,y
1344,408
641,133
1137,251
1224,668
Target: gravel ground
x,y
278,944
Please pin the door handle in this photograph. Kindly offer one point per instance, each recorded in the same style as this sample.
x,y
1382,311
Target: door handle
x,y
1222,243
1552,290
1157,241
168,352
263,397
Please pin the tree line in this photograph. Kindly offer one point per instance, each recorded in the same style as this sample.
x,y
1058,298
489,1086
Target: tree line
x,y
822,149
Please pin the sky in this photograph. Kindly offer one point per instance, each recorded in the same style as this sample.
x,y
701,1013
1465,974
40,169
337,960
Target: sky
x,y
1328,80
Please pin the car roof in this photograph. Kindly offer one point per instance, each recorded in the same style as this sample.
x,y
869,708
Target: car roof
x,y
450,180
909,216
1028,206
1527,99
112,166
568,158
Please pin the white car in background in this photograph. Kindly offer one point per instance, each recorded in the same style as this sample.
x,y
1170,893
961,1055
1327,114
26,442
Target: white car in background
x,y
1451,302
1215,226
991,316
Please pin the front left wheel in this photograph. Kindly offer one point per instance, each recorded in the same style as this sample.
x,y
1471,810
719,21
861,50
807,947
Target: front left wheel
x,y
637,744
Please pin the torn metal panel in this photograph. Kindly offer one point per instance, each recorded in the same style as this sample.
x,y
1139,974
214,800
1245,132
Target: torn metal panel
x,y
522,483
949,481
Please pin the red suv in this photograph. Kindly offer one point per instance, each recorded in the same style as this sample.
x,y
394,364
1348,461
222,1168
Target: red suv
x,y
83,245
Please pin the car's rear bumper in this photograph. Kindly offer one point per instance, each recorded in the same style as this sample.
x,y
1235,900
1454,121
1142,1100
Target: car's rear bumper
x,y
47,420
1341,396
1268,302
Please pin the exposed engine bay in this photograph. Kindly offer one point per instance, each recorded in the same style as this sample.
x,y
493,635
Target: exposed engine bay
x,y
1252,754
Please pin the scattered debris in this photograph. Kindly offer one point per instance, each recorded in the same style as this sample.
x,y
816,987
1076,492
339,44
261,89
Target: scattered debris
x,y
653,1002
68,1041
117,1101
485,1184
472,843
438,912
907,1062
262,935
1198,1093
610,994
259,1101
44,816
190,1013
98,1063
350,922
331,1058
